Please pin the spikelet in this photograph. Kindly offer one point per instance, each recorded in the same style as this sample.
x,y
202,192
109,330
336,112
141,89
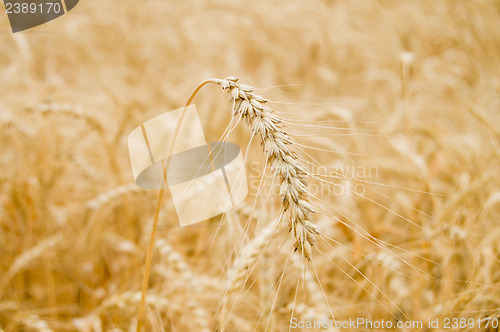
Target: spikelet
x,y
20,126
28,257
131,299
71,111
110,195
175,261
237,275
34,322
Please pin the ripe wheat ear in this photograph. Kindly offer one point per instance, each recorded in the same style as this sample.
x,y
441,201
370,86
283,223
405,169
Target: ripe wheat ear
x,y
284,163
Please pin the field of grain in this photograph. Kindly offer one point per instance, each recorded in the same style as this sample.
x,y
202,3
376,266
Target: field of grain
x,y
394,107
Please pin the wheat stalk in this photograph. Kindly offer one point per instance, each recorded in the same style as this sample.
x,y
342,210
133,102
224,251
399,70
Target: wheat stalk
x,y
242,266
284,163
27,257
175,262
10,122
78,114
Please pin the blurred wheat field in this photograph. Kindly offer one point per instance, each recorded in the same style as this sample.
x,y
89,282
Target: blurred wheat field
x,y
402,98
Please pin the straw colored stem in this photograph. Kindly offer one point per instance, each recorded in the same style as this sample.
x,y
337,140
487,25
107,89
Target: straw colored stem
x,y
149,254
147,267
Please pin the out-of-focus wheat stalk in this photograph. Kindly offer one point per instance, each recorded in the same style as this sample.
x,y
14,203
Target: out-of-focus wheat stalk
x,y
79,114
27,257
237,274
34,322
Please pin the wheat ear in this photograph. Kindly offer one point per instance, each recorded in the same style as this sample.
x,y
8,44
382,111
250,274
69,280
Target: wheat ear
x,y
284,163
249,255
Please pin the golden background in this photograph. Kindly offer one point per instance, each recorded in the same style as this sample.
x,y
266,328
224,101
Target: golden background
x,y
409,87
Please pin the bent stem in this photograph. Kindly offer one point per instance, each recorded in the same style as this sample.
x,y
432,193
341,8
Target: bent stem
x,y
149,254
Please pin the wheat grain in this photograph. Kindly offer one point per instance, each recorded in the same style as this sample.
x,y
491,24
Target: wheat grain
x,y
84,166
131,299
237,274
36,323
196,282
90,323
200,316
173,258
28,257
112,194
174,261
77,113
21,127
71,111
